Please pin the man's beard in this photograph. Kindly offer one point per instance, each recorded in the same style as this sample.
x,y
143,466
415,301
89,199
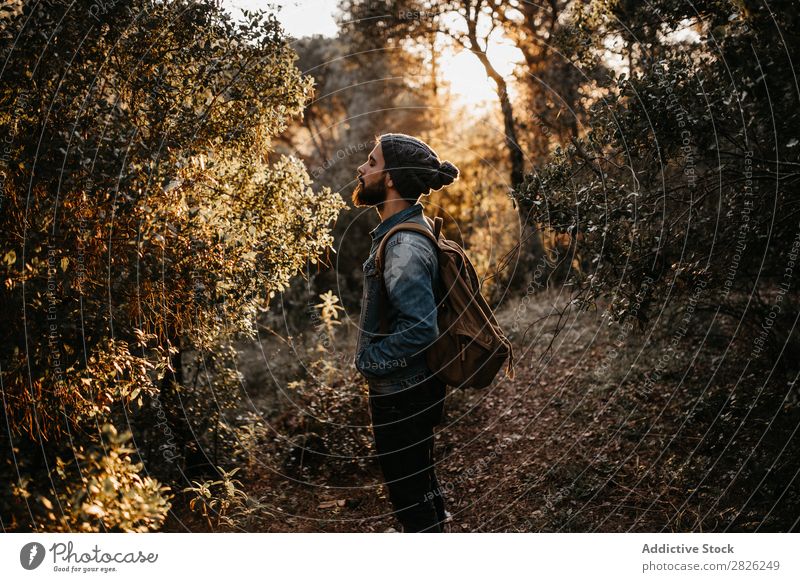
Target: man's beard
x,y
369,195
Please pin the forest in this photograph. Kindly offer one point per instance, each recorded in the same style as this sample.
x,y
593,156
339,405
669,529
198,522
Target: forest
x,y
181,261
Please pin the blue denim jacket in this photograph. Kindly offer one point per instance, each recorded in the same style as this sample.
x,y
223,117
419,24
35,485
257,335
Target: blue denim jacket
x,y
411,273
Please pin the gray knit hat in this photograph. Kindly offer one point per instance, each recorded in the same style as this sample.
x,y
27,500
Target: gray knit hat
x,y
414,166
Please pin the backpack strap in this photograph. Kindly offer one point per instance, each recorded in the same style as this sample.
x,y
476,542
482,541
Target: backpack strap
x,y
406,226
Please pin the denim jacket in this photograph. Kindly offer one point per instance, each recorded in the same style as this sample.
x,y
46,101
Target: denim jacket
x,y
411,273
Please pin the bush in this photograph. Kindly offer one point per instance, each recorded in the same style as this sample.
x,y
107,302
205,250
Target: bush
x,y
98,490
144,215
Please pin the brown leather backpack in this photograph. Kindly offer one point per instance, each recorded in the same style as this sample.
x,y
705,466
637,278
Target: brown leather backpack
x,y
471,347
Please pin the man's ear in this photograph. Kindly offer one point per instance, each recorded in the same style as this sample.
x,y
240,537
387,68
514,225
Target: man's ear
x,y
389,183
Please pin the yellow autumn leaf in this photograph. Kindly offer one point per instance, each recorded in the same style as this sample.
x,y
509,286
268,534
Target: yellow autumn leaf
x,y
95,510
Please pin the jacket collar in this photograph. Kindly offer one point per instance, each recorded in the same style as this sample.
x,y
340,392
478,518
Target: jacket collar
x,y
395,219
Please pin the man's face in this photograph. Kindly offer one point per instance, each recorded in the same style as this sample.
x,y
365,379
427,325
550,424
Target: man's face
x,y
371,187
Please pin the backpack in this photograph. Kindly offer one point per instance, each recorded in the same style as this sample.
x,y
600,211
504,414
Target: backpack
x,y
471,346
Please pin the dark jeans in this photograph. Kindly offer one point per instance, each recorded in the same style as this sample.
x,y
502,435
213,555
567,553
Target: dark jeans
x,y
402,424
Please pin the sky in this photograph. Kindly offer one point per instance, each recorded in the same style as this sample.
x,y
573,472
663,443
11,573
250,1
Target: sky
x,y
299,18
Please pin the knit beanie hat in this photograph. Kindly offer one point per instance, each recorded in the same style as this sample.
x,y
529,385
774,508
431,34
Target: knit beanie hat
x,y
414,166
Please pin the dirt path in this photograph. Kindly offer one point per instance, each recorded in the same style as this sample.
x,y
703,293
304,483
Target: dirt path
x,y
566,446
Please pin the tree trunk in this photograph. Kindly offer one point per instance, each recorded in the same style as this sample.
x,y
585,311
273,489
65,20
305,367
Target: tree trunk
x,y
509,123
528,249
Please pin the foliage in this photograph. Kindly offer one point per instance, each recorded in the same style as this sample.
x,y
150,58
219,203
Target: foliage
x,y
224,499
325,425
144,214
671,196
98,490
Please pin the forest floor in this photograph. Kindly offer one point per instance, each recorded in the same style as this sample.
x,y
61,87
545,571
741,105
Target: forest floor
x,y
568,445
